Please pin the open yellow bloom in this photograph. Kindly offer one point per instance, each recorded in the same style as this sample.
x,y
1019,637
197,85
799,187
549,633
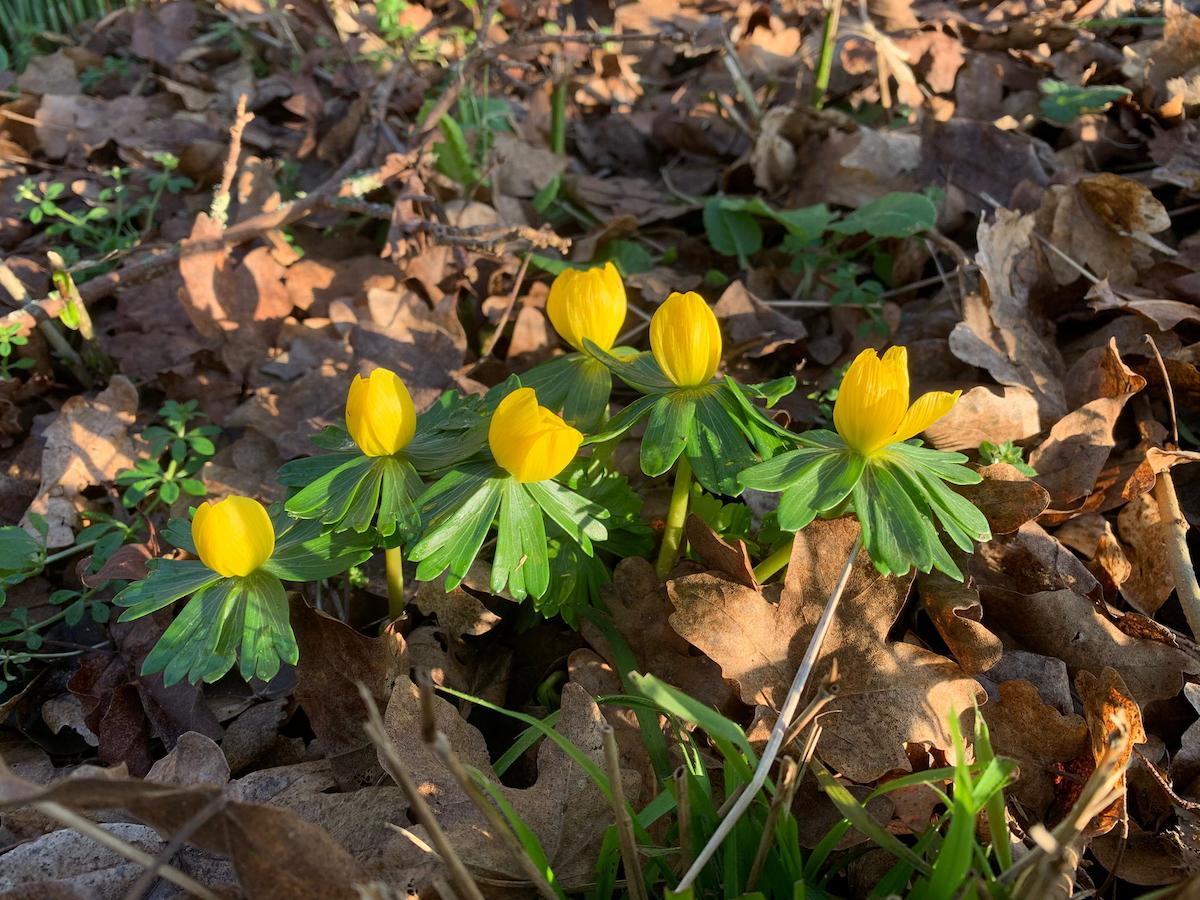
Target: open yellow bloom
x,y
587,304
380,414
686,339
872,411
233,536
530,442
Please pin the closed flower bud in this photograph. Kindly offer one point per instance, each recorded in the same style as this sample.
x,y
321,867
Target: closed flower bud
x,y
587,304
872,409
233,536
528,441
686,339
380,414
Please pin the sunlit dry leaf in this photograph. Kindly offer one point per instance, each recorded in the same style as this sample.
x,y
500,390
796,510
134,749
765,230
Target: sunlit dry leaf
x,y
1064,624
1002,330
1151,580
890,694
86,445
1110,708
958,616
986,413
754,327
1040,738
1069,461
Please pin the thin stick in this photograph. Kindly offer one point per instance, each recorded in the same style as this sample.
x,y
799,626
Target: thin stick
x,y
683,815
781,801
90,829
395,767
791,701
219,209
1175,529
441,746
633,870
512,302
178,839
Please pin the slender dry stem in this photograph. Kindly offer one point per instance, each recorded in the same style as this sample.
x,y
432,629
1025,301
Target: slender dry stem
x,y
791,701
634,882
782,800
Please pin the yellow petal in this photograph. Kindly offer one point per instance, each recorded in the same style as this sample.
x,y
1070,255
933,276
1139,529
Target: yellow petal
x,y
528,441
872,399
380,414
588,304
927,410
686,339
233,536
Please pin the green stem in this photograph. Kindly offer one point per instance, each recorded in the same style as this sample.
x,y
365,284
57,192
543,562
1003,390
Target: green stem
x,y
773,563
672,537
70,551
825,62
394,558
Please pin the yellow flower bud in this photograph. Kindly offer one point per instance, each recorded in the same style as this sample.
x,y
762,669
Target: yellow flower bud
x,y
587,304
872,410
530,442
379,413
686,339
233,536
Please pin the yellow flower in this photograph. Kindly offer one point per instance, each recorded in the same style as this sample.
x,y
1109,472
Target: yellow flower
x,y
234,536
587,304
686,339
872,411
379,413
530,442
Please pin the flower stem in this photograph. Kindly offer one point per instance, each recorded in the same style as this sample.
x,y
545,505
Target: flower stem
x,y
790,704
394,558
672,537
825,61
773,563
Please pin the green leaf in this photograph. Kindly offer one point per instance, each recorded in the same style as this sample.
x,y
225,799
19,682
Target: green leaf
x,y
19,551
168,581
1063,103
459,511
896,535
578,516
895,215
667,432
638,370
520,560
267,638
813,481
306,552
807,223
717,447
624,420
188,646
453,155
677,703
731,232
398,491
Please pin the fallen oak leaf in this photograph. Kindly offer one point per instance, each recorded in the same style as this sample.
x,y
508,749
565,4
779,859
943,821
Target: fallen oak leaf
x,y
956,612
1006,497
1166,314
891,694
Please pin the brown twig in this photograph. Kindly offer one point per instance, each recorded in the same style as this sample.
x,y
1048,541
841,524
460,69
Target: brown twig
x,y
507,314
219,210
178,839
394,766
634,882
788,780
683,815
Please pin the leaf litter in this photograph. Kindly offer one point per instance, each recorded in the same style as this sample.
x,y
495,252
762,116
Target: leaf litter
x,y
1060,286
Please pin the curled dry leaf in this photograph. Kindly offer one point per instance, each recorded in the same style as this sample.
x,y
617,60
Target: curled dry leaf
x,y
87,445
1039,737
1006,497
891,694
275,853
1166,314
957,614
1002,331
718,554
1151,579
1071,458
1030,560
1064,624
752,326
1110,710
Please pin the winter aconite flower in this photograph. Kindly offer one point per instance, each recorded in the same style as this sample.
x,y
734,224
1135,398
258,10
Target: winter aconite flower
x,y
872,409
686,339
588,303
528,441
234,536
872,466
379,413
